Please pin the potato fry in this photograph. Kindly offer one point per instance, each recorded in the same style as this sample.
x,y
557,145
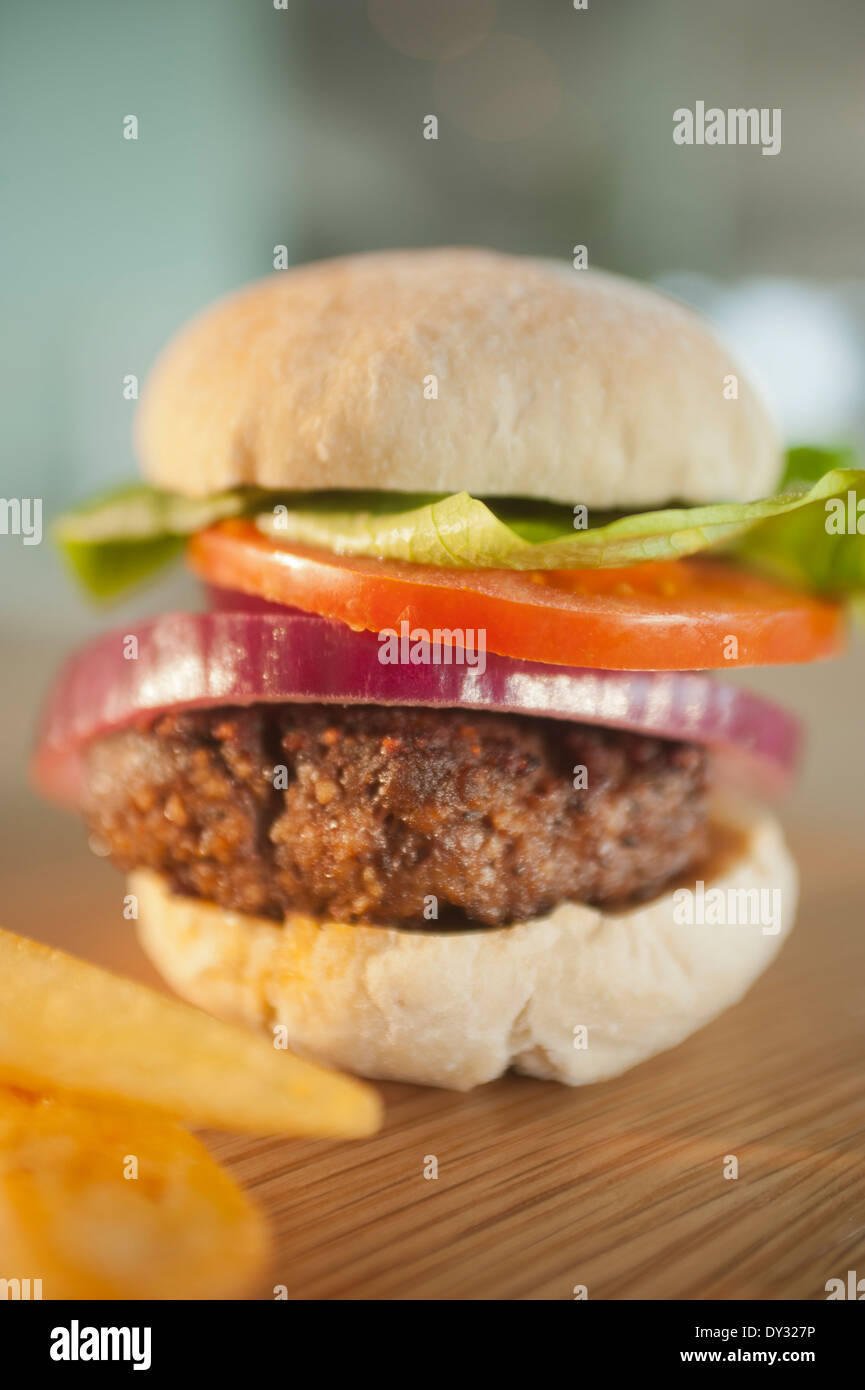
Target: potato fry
x,y
66,1026
74,1214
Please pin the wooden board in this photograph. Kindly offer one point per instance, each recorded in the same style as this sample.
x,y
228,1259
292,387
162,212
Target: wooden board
x,y
619,1186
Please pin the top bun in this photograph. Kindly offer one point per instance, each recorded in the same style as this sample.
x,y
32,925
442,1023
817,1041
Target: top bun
x,y
454,370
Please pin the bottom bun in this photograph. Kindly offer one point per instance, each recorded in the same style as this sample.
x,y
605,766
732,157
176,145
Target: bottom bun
x,y
575,996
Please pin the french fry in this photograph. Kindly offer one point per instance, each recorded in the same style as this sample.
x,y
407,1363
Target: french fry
x,y
109,1204
68,1027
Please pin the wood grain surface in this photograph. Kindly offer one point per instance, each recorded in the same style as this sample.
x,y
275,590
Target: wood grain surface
x,y
619,1186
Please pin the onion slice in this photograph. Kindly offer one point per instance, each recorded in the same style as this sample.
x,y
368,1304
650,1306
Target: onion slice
x,y
200,660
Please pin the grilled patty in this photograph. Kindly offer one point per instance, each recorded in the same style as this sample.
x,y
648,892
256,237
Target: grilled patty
x,y
397,815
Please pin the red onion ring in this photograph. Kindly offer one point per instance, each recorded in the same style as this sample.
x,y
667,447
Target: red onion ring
x,y
196,660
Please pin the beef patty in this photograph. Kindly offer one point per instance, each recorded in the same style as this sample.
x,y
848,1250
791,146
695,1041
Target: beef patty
x,y
358,813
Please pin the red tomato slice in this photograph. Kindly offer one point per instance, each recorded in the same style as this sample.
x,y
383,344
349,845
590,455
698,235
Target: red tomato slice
x,y
677,615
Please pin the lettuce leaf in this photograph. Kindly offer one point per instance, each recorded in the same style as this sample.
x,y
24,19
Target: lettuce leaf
x,y
465,532
796,546
108,568
120,538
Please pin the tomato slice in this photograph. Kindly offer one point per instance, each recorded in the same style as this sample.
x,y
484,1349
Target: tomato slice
x,y
676,615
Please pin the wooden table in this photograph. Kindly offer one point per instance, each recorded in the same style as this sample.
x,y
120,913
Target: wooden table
x,y
619,1186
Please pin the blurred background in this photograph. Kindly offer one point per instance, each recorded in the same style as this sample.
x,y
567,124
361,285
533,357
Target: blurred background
x,y
300,124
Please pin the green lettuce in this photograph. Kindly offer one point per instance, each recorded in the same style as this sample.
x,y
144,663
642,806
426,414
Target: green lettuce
x,y
121,537
796,546
466,532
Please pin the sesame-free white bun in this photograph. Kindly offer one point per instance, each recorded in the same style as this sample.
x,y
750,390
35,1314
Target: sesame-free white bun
x,y
457,1009
452,370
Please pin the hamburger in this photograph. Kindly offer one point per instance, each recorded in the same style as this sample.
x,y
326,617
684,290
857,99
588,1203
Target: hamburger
x,y
448,775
